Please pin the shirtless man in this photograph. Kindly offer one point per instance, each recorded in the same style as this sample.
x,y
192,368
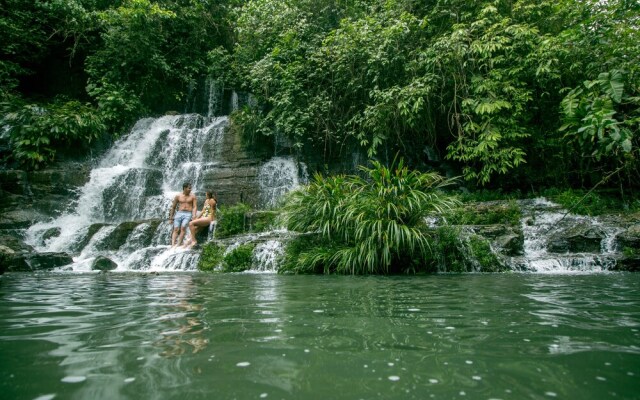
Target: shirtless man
x,y
187,208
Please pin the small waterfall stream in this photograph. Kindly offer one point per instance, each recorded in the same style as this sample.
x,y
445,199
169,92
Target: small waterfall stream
x,y
279,176
542,220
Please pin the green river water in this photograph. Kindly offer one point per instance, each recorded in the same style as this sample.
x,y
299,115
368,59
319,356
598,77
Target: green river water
x,y
266,336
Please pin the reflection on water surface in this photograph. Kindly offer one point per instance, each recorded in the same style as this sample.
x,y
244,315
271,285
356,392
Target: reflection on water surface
x,y
203,336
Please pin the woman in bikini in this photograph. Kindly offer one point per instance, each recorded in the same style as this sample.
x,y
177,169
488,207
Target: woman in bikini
x,y
207,215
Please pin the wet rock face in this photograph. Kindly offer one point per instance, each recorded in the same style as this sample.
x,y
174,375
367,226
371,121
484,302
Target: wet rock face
x,y
29,262
505,239
15,255
582,238
630,238
30,197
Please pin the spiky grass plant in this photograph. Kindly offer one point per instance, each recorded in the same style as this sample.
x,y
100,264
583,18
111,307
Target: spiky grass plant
x,y
368,224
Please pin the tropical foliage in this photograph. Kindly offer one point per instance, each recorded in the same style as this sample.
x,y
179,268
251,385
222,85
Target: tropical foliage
x,y
512,94
369,224
37,132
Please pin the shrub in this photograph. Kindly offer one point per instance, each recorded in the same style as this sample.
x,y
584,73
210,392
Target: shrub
x,y
261,221
211,256
370,224
239,259
233,220
589,203
38,132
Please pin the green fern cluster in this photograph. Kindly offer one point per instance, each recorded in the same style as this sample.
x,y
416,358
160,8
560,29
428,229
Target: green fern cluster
x,y
366,225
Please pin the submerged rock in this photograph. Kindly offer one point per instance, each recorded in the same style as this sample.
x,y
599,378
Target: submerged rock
x,y
102,263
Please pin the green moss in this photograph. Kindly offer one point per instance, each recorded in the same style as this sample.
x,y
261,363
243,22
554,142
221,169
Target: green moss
x,y
485,214
239,259
630,252
212,256
483,255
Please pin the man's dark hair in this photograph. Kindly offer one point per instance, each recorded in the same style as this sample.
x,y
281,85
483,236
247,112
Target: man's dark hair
x,y
186,185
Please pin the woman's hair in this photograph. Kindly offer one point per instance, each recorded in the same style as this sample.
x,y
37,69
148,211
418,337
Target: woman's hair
x,y
209,194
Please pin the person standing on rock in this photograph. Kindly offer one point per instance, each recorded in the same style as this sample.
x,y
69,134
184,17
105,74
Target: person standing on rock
x,y
187,205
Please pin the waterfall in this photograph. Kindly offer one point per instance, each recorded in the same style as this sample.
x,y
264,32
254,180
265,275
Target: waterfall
x,y
215,90
121,212
278,176
235,104
542,220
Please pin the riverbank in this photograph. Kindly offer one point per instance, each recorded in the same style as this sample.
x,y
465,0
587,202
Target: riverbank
x,y
488,232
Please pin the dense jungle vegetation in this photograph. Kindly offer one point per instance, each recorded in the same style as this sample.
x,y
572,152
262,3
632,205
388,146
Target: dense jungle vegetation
x,y
511,94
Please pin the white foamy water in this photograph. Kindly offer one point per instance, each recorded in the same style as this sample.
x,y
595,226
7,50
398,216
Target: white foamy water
x,y
278,176
121,211
542,219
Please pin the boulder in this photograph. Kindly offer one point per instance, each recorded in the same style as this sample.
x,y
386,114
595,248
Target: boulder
x,y
511,244
103,264
30,262
14,182
118,237
492,231
630,238
86,237
50,233
15,244
581,238
627,262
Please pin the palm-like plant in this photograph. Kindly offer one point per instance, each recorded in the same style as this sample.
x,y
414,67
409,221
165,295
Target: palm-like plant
x,y
369,224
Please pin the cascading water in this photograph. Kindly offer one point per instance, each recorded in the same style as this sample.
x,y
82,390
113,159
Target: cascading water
x,y
121,213
279,176
542,220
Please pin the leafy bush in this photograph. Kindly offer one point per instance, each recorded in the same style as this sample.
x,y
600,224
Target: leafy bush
x,y
239,259
233,220
262,220
300,255
38,132
211,256
589,203
367,225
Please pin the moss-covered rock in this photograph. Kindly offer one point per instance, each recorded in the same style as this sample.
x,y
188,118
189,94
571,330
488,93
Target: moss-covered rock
x,y
103,264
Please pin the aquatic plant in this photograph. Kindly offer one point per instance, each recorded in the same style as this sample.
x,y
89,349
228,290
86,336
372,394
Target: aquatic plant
x,y
366,224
